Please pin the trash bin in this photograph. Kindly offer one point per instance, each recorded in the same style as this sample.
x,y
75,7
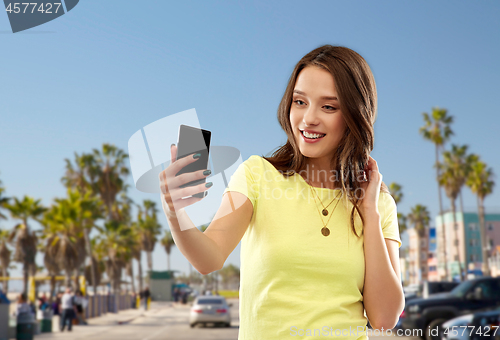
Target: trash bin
x,y
26,325
45,317
4,321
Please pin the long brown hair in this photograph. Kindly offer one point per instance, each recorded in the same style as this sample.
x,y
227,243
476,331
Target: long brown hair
x,y
357,94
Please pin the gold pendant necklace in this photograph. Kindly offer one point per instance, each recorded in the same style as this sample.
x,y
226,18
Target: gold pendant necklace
x,y
324,231
324,211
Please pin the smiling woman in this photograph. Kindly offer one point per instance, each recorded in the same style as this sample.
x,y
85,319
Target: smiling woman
x,y
319,251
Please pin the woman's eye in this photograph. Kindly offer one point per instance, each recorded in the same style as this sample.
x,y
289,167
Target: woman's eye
x,y
332,108
298,100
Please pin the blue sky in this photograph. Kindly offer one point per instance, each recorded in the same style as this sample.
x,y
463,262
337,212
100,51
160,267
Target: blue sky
x,y
107,68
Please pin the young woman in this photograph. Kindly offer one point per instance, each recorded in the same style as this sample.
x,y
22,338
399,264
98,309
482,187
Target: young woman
x,y
319,230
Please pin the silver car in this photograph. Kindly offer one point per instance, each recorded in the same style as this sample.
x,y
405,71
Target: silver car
x,y
210,309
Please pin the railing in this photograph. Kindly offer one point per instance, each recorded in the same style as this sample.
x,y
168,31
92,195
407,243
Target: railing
x,y
102,304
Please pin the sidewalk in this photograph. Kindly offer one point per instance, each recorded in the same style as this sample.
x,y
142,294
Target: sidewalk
x,y
102,323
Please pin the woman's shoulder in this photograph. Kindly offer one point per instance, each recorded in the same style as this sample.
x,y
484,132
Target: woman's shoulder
x,y
255,162
386,203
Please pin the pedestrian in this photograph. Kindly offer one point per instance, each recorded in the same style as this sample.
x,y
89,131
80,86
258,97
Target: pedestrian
x,y
176,294
68,310
80,304
22,306
146,294
56,303
42,302
3,297
299,271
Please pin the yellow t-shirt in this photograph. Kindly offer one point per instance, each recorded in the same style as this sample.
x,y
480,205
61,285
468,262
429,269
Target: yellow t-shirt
x,y
295,282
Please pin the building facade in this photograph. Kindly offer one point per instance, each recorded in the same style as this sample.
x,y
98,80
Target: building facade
x,y
418,255
463,242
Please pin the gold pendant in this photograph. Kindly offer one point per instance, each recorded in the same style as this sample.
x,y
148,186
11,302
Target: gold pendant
x,y
325,212
325,231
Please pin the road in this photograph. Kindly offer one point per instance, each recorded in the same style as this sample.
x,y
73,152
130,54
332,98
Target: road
x,y
163,321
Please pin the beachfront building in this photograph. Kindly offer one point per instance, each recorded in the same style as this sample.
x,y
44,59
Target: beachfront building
x,y
418,255
463,242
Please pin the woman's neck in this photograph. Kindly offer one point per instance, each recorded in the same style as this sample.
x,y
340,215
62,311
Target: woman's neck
x,y
320,175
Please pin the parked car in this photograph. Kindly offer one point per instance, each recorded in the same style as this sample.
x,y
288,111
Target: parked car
x,y
435,287
469,296
483,325
210,309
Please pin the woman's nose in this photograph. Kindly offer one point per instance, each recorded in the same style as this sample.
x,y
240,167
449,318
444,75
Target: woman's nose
x,y
310,117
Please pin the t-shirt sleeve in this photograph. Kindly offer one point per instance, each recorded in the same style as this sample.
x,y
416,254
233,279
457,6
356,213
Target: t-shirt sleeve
x,y
244,179
390,226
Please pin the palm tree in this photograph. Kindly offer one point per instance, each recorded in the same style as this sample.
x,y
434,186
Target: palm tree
x,y
454,172
83,176
4,257
110,169
4,251
480,181
168,242
50,261
419,217
3,201
115,241
437,130
63,230
97,262
396,192
149,228
25,240
136,251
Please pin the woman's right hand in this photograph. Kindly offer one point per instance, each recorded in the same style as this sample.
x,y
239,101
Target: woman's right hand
x,y
171,193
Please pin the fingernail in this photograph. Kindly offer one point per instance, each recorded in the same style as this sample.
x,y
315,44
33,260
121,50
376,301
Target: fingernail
x,y
206,194
209,184
172,145
196,155
207,172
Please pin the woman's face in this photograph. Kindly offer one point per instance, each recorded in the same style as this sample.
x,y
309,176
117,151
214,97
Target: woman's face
x,y
313,111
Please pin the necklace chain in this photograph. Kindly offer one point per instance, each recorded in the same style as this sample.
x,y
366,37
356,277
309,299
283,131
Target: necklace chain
x,y
325,231
325,212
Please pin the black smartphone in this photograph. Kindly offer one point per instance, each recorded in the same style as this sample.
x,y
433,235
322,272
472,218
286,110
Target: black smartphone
x,y
193,140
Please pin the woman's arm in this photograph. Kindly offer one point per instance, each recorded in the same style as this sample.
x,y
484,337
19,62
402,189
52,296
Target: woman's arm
x,y
207,251
383,294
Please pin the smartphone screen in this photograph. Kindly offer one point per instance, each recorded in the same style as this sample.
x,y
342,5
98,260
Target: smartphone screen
x,y
193,140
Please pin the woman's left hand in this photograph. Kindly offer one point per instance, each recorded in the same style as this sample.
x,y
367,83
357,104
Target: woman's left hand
x,y
370,189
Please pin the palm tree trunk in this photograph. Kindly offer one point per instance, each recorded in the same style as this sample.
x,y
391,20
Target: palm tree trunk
x,y
484,243
150,260
457,246
445,259
168,261
25,277
139,262
68,278
6,282
116,291
466,260
461,202
76,280
52,288
132,275
89,251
